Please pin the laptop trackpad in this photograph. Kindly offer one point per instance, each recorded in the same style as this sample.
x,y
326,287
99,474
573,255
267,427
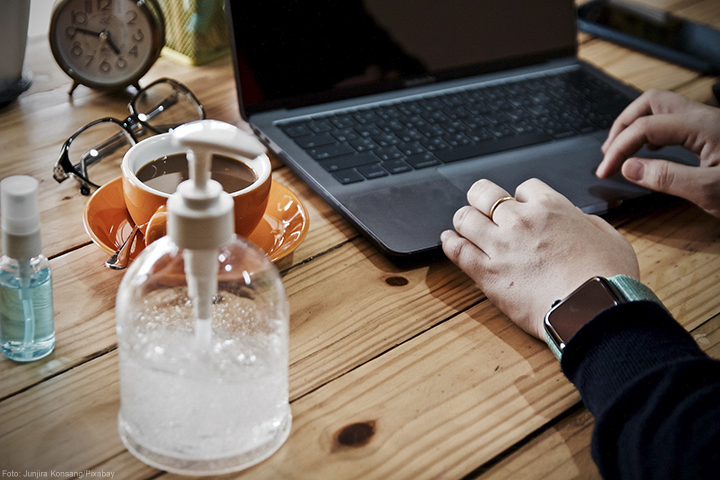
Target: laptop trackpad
x,y
567,166
408,217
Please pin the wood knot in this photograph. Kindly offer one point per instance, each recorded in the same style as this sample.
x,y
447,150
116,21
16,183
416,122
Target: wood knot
x,y
356,434
397,281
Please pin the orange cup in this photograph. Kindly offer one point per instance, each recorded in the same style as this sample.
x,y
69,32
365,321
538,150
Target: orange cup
x,y
146,205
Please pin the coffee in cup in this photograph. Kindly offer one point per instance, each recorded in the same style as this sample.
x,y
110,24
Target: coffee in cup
x,y
152,169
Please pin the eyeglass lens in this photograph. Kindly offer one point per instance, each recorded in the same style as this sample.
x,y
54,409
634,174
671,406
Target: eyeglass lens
x,y
164,106
106,141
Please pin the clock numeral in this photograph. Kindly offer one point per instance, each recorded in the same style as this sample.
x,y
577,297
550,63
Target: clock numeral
x,y
105,67
133,51
79,18
90,57
133,17
121,63
138,36
88,7
70,32
104,4
76,49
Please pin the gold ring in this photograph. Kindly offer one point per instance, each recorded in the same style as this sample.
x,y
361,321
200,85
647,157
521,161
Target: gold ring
x,y
497,204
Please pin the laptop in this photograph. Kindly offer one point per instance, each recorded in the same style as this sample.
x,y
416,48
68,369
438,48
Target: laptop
x,y
391,110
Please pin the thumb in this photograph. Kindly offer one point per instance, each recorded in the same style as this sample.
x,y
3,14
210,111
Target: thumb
x,y
664,176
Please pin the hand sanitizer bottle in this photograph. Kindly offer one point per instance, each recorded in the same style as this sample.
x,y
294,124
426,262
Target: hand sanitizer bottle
x,y
26,307
202,325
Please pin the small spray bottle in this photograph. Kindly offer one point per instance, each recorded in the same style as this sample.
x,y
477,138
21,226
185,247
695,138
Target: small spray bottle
x,y
202,324
26,307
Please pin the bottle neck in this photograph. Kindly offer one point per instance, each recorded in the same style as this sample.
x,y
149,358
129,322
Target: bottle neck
x,y
21,247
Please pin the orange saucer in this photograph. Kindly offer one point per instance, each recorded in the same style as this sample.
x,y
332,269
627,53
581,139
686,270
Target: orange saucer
x,y
279,233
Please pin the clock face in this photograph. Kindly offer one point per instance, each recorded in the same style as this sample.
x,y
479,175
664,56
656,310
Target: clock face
x,y
104,43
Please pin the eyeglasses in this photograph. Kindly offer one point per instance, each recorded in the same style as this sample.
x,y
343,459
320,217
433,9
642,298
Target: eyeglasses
x,y
157,108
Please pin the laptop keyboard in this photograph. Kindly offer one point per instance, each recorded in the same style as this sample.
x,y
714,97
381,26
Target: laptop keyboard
x,y
366,143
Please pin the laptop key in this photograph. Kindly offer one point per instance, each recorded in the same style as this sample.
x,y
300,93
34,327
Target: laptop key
x,y
480,135
319,126
348,161
396,166
495,146
563,131
328,151
296,130
422,160
363,144
501,130
409,135
372,171
348,176
391,153
386,140
344,134
411,148
311,141
368,130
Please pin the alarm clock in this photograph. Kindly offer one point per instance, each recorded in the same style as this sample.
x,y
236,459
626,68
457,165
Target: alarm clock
x,y
106,44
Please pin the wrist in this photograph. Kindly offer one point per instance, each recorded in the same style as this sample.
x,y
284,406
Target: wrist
x,y
568,315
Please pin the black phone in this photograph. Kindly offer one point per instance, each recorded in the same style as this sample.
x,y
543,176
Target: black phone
x,y
654,32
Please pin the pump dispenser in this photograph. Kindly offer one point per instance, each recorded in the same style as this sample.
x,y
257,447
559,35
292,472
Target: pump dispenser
x,y
202,323
26,308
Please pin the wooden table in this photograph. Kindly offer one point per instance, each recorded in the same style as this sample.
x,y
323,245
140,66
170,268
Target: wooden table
x,y
394,373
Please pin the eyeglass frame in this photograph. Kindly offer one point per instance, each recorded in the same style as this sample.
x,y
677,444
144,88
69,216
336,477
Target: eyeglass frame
x,y
132,126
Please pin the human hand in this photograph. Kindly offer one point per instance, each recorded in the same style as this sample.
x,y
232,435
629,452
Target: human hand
x,y
535,250
656,119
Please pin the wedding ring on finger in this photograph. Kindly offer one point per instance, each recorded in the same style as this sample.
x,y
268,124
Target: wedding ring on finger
x,y
497,204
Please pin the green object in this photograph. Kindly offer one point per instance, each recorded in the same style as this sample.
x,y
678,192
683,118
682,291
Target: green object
x,y
196,30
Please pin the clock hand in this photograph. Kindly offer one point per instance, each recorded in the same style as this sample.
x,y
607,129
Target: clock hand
x,y
87,31
105,35
111,43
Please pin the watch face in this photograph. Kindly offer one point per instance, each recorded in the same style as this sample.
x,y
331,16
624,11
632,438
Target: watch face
x,y
103,43
579,308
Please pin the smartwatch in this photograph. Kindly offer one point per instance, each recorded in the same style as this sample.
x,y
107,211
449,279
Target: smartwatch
x,y
569,315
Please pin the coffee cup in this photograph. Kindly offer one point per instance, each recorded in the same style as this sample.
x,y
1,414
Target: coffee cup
x,y
152,168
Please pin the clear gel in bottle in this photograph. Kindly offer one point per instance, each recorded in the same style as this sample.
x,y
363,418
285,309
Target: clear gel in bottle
x,y
27,332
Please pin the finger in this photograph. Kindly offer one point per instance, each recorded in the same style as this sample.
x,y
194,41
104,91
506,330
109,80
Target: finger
x,y
483,195
532,188
472,224
651,102
463,253
658,130
667,177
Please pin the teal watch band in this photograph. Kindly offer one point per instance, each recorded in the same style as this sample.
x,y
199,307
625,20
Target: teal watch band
x,y
631,290
624,288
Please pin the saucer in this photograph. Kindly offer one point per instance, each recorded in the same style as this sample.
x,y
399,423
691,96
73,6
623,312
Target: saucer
x,y
279,233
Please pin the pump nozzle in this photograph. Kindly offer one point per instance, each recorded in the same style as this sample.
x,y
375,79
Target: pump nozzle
x,y
200,213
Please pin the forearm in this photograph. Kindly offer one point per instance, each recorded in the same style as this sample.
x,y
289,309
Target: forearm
x,y
653,392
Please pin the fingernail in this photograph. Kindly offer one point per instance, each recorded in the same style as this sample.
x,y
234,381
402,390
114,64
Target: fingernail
x,y
444,235
634,170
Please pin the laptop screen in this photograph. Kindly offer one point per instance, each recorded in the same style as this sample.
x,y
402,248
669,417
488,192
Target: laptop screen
x,y
292,53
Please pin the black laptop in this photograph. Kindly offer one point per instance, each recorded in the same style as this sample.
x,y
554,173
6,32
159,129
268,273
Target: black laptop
x,y
392,109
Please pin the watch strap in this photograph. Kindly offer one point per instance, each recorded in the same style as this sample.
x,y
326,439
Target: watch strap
x,y
631,290
553,346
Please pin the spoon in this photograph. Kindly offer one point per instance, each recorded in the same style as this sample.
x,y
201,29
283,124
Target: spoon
x,y
120,259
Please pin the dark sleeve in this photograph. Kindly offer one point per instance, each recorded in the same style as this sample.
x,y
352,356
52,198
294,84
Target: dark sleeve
x,y
654,394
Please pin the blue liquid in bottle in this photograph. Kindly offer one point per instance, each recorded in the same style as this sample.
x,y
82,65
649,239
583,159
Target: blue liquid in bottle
x,y
27,331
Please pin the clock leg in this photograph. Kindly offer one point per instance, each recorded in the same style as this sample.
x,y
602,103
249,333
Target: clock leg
x,y
72,89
